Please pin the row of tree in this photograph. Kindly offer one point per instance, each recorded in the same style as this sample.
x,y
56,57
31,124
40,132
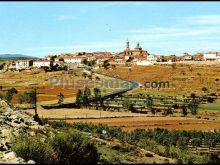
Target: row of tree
x,y
83,98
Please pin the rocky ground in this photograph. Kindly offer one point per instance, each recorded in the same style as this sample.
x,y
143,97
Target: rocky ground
x,y
14,123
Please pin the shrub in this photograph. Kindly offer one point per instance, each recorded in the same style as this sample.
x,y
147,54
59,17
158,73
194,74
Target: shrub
x,y
32,148
73,147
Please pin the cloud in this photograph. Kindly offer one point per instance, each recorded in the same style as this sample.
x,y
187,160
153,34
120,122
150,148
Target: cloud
x,y
209,19
172,33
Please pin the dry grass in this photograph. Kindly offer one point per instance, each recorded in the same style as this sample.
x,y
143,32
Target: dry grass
x,y
183,79
81,113
23,81
178,123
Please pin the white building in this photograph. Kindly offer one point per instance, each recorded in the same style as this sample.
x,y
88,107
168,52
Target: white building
x,y
212,56
42,63
144,62
73,59
188,57
23,64
152,58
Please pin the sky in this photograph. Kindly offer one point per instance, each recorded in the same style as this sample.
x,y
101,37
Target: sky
x,y
43,28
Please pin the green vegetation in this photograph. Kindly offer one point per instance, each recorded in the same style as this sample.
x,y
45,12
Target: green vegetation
x,y
69,147
9,94
2,65
89,63
106,64
33,148
210,106
61,98
166,143
27,97
73,146
79,99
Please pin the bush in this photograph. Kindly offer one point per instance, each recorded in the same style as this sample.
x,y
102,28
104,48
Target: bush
x,y
73,147
32,148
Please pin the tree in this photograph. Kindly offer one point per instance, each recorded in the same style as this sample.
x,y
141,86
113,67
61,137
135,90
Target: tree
x,y
193,95
106,64
79,99
9,94
193,106
204,89
184,110
86,96
132,108
84,74
61,98
92,63
126,103
85,61
97,94
149,102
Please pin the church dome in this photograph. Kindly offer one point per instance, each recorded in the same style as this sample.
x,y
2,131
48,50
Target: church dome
x,y
138,46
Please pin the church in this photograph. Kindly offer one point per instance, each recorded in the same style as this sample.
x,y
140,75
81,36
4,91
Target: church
x,y
137,52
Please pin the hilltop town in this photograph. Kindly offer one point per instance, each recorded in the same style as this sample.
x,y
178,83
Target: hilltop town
x,y
131,57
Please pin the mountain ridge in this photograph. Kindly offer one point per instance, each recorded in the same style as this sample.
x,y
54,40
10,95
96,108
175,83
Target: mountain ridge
x,y
14,56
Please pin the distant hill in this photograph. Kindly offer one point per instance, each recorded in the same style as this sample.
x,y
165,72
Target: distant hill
x,y
15,56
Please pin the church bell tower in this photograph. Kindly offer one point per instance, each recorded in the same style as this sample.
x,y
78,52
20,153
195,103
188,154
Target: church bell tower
x,y
127,45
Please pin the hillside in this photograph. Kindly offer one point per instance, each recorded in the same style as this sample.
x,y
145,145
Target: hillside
x,y
15,56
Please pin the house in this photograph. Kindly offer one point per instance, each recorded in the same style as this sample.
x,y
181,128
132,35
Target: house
x,y
198,57
210,56
23,64
152,58
42,63
187,57
73,59
170,58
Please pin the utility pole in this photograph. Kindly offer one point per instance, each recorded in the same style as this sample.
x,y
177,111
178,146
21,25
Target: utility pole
x,y
35,99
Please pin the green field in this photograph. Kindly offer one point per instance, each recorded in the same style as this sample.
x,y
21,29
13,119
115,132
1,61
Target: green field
x,y
210,106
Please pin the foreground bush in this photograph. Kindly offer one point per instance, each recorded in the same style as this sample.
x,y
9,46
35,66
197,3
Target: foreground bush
x,y
73,147
32,148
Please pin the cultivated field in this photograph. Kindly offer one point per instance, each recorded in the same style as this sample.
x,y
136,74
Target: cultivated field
x,y
24,80
178,123
81,113
129,121
183,78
